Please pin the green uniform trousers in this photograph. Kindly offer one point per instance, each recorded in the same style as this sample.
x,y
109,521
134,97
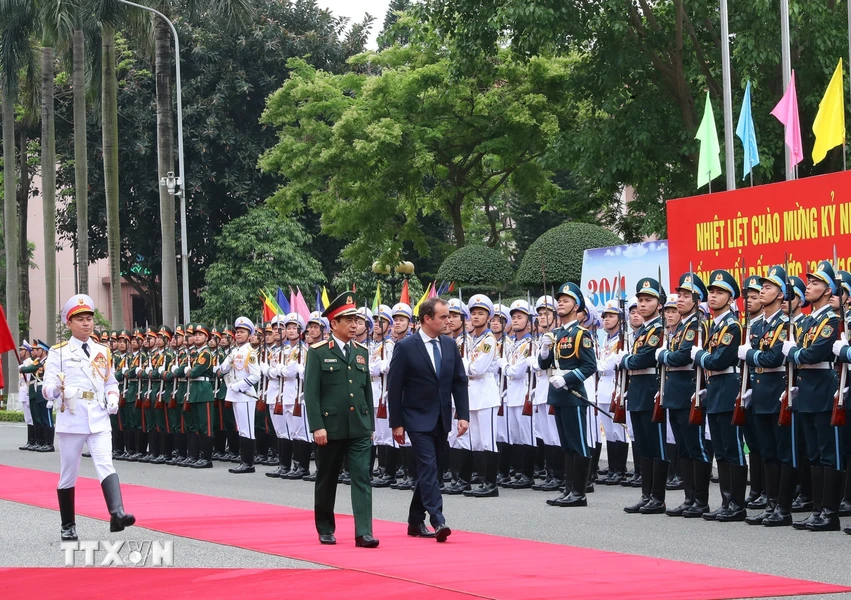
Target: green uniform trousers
x,y
329,460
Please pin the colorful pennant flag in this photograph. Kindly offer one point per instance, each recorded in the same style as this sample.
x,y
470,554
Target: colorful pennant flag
x,y
405,298
786,112
282,302
325,301
433,293
745,131
376,301
709,162
318,301
301,306
426,295
829,125
270,308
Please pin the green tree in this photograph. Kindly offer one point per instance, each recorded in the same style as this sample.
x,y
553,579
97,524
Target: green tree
x,y
413,140
558,253
476,267
260,250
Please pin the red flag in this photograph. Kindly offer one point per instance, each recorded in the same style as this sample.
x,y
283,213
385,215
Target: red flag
x,y
7,342
405,298
451,287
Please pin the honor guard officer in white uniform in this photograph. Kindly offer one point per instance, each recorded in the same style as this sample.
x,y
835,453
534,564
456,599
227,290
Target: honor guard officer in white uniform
x,y
271,369
379,363
484,397
501,328
518,396
403,316
79,380
617,446
242,373
292,369
460,450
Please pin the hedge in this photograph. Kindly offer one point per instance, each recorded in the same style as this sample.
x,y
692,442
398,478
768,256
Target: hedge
x,y
476,268
560,250
11,416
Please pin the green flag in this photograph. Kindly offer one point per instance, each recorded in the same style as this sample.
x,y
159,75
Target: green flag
x,y
709,165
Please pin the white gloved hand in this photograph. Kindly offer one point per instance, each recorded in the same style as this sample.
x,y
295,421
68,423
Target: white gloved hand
x,y
659,352
557,381
546,341
149,370
743,351
161,370
532,361
788,347
112,406
694,351
49,404
838,347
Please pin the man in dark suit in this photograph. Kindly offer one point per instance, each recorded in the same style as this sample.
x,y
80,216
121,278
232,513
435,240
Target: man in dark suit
x,y
426,373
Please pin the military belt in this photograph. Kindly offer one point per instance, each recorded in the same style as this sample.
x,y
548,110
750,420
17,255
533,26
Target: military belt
x,y
686,368
88,395
771,369
724,372
200,379
821,365
650,371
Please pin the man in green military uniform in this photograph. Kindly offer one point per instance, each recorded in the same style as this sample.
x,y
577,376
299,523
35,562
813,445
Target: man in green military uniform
x,y
200,376
338,399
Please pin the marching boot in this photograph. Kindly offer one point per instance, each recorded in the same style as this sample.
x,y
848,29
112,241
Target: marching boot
x,y
30,438
488,489
757,498
569,484
67,514
160,451
635,480
725,487
686,466
39,437
674,478
817,474
205,459
153,447
702,474
143,448
845,505
119,444
611,453
307,450
736,510
617,470
194,442
831,494
180,444
247,449
527,471
480,461
285,458
388,477
804,500
130,440
49,432
221,444
280,470
118,520
581,471
570,463
782,515
504,469
558,459
656,504
595,464
646,485
771,478
260,449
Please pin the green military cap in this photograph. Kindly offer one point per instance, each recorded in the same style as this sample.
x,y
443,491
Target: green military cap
x,y
754,282
150,332
104,336
343,305
649,287
138,333
178,330
214,332
166,332
124,335
113,335
201,328
190,329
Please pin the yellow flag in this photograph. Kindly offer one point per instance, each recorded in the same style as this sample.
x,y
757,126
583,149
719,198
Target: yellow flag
x,y
325,301
423,299
829,125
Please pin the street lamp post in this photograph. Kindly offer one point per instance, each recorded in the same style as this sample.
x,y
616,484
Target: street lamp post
x,y
403,270
175,185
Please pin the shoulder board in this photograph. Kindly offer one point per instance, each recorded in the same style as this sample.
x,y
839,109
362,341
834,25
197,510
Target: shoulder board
x,y
358,344
730,320
319,344
829,314
582,328
59,345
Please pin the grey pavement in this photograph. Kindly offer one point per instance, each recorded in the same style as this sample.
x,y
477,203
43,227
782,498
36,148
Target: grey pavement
x,y
523,514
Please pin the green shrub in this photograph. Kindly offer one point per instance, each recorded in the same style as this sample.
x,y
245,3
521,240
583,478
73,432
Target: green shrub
x,y
477,268
11,416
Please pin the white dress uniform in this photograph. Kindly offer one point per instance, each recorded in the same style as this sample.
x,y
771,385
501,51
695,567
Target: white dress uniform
x,y
380,354
242,372
24,393
519,386
292,369
270,369
503,349
455,441
91,395
484,395
542,422
606,386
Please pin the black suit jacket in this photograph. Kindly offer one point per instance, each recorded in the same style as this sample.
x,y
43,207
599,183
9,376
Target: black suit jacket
x,y
417,398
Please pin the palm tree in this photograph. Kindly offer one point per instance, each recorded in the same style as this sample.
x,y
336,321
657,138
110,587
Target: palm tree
x,y
81,160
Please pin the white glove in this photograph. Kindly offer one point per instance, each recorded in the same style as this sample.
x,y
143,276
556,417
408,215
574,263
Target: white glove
x,y
111,406
694,351
161,370
788,347
546,341
743,351
139,372
532,361
466,363
557,381
502,363
659,353
49,404
839,347
149,370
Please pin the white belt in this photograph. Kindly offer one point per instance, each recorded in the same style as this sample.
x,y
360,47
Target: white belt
x,y
200,379
650,371
671,369
375,378
770,369
724,372
821,365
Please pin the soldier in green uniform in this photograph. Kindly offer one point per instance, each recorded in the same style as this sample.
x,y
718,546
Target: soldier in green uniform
x,y
159,399
124,409
200,375
338,399
173,397
115,420
189,453
132,369
146,383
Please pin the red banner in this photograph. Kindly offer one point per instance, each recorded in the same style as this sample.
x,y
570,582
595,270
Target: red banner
x,y
757,226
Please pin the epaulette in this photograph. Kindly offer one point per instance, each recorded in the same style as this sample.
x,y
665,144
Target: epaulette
x,y
59,345
582,328
829,313
319,344
358,344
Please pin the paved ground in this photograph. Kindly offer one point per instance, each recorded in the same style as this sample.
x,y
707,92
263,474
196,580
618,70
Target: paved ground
x,y
516,513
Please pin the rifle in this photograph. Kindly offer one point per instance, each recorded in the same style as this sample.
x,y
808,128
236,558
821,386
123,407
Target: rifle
x,y
503,380
260,406
172,402
463,333
618,406
158,405
531,382
297,406
740,417
784,419
659,410
122,400
837,417
279,403
188,380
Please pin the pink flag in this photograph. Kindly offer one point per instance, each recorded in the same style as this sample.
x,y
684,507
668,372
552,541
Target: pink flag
x,y
786,112
433,291
301,306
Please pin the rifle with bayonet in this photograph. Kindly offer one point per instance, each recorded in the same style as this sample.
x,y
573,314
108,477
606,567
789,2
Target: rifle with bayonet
x,y
837,417
739,415
658,409
784,419
696,415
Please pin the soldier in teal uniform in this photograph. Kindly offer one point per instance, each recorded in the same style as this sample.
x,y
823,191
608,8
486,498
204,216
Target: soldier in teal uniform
x,y
569,351
338,400
842,350
42,416
719,363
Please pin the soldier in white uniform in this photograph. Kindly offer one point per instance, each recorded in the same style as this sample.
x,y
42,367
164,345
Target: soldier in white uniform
x,y
242,372
292,369
617,446
24,396
271,370
380,354
500,325
519,396
460,449
403,316
79,379
484,397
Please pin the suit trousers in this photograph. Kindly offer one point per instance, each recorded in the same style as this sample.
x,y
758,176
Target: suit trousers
x,y
329,460
427,448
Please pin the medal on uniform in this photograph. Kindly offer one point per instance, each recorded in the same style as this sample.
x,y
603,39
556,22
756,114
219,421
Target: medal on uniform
x,y
100,367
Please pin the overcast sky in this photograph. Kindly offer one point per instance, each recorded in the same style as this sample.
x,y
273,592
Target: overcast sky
x,y
355,10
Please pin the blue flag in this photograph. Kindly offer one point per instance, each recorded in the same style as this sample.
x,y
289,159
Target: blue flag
x,y
282,301
318,303
745,132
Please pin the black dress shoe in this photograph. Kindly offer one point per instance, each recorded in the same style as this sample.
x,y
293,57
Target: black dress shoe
x,y
87,454
486,490
845,508
779,518
420,530
678,511
653,507
847,530
160,460
696,510
383,482
802,504
441,532
69,532
675,483
327,538
615,478
734,513
552,485
239,469
829,521
758,503
568,501
758,518
635,508
524,483
203,463
310,477
802,525
366,541
457,488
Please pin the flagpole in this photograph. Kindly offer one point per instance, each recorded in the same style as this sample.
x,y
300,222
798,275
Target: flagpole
x,y
728,99
786,58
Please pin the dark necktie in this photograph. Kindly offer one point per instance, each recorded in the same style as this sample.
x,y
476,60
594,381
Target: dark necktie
x,y
86,349
436,353
346,351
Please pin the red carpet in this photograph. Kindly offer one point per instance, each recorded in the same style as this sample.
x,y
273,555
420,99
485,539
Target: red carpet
x,y
257,584
471,563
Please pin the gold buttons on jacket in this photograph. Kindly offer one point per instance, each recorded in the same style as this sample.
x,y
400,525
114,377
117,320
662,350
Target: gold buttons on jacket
x,y
350,381
351,395
352,409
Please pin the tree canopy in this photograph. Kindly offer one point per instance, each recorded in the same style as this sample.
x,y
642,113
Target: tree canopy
x,y
477,266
